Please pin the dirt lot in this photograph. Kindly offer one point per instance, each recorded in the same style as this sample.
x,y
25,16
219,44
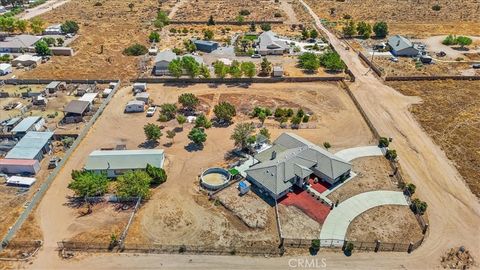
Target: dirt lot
x,y
409,17
111,26
389,224
450,113
408,67
296,224
373,174
225,10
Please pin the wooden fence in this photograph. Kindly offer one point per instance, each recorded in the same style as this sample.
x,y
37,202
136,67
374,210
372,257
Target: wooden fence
x,y
370,64
225,22
432,78
238,80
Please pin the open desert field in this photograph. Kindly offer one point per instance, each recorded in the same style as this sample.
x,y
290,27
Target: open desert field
x,y
105,31
407,17
225,10
450,113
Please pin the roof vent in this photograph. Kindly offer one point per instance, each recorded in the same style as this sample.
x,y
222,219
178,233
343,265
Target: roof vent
x,y
274,155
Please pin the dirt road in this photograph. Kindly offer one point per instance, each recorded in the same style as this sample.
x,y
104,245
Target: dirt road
x,y
38,10
454,212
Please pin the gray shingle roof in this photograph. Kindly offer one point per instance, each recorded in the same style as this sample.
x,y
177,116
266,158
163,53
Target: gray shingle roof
x,y
268,41
124,159
398,43
77,106
167,56
19,41
300,158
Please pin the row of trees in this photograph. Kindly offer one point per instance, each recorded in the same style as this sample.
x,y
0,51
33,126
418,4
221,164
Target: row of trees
x,y
236,69
190,66
36,25
329,60
364,29
457,40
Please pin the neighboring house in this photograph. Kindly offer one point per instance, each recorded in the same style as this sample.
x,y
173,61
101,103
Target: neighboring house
x,y
31,123
19,166
205,45
18,44
291,161
75,111
269,44
117,162
5,69
135,106
162,60
54,29
143,96
401,46
32,146
26,60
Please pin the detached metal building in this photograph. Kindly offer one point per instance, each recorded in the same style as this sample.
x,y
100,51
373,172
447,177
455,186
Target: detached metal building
x,y
32,146
19,166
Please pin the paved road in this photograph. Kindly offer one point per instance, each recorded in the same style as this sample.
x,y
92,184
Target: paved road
x,y
38,10
359,152
337,222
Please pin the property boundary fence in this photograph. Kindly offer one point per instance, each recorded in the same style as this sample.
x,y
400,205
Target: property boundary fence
x,y
47,81
370,64
225,22
44,187
239,80
431,78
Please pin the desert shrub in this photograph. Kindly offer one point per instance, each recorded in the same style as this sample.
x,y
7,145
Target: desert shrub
x,y
410,188
70,27
244,12
135,50
391,154
383,142
436,7
418,207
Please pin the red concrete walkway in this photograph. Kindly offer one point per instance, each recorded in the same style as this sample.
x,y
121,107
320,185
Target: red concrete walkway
x,y
309,205
320,186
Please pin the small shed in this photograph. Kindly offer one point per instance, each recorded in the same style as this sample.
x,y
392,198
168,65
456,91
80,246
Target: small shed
x,y
54,86
135,106
75,110
31,123
139,87
277,71
243,187
82,89
112,85
205,45
21,181
89,97
19,166
5,69
106,92
143,96
26,60
39,100
54,29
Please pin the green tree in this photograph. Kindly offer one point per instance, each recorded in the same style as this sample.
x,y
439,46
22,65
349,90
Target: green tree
x,y
21,25
202,122
240,19
88,184
169,110
265,27
134,184
332,61
158,175
410,188
191,66
391,154
197,136
41,48
220,69
313,33
383,142
204,71
248,68
309,61
50,41
208,34
349,29
37,25
450,40
189,46
380,29
60,41
262,117
305,34
175,67
189,101
464,41
235,70
364,29
135,50
70,27
171,134
418,207
253,27
211,21
224,111
161,20
295,121
327,145
154,36
152,132
241,133
266,66
181,119
264,132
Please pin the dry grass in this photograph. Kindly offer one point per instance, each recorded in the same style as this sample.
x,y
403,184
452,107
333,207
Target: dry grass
x,y
406,67
389,224
450,113
228,10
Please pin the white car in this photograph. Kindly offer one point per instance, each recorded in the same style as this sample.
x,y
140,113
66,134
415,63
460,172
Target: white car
x,y
256,56
394,59
151,111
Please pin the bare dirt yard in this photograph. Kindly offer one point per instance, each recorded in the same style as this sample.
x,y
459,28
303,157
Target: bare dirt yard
x,y
450,113
409,67
225,10
372,174
410,17
296,224
389,224
105,31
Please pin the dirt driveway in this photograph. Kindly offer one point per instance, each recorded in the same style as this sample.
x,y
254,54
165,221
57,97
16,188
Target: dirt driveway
x,y
434,44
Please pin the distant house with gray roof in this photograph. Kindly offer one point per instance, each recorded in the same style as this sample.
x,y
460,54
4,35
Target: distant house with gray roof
x,y
163,59
269,44
18,44
32,146
401,46
291,161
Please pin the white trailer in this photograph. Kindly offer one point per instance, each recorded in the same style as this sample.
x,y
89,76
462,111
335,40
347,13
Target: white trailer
x,y
135,106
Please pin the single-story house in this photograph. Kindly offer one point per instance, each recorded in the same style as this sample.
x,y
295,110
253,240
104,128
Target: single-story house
x,y
19,44
277,71
205,45
31,123
26,60
401,46
117,162
162,60
54,29
292,160
5,69
54,86
135,106
32,146
75,110
143,96
269,44
21,181
19,166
